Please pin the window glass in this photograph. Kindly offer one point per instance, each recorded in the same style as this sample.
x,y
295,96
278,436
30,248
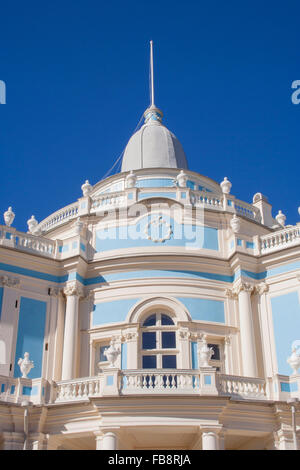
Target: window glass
x,y
150,321
149,362
149,340
169,362
168,339
166,320
102,356
216,354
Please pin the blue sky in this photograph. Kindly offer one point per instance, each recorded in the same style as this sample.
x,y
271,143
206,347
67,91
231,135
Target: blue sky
x,y
77,83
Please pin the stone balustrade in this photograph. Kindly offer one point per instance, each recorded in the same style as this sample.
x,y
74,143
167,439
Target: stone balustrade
x,y
280,239
246,210
77,389
108,200
27,242
59,217
209,200
154,381
162,382
201,382
241,387
17,390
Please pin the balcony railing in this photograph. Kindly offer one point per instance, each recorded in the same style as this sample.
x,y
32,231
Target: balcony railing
x,y
167,382
280,239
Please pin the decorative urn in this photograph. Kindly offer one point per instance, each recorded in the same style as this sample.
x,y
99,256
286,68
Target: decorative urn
x,y
32,224
204,353
235,224
130,180
25,365
86,188
294,361
226,185
112,354
9,217
281,218
182,178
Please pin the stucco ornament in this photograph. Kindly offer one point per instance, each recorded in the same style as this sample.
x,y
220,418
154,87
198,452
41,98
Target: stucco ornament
x,y
32,224
130,180
280,218
235,224
204,353
226,185
25,365
78,226
294,359
9,217
181,179
86,188
112,354
158,230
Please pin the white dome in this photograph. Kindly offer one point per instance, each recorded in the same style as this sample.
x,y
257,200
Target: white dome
x,y
153,146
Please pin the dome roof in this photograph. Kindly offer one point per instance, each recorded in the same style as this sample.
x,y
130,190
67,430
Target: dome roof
x,y
153,146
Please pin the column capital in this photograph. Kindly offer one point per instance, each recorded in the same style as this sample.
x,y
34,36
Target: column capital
x,y
231,293
8,281
261,288
55,292
214,428
73,288
244,287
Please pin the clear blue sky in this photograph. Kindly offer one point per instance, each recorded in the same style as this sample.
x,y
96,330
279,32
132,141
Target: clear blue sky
x,y
77,83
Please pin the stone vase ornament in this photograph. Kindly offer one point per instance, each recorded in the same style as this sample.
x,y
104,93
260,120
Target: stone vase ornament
x,y
294,361
9,217
86,188
32,224
25,365
130,181
181,179
226,185
204,353
112,354
235,224
280,218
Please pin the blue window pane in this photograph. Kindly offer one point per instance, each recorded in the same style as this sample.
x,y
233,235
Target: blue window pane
x,y
149,362
149,340
169,362
150,321
168,339
165,320
216,354
102,356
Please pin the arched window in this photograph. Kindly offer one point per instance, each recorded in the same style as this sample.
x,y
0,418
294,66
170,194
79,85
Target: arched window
x,y
158,342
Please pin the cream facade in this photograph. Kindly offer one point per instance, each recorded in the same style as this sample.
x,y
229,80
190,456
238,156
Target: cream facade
x,y
158,310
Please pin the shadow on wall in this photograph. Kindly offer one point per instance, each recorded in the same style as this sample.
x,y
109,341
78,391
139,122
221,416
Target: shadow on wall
x,y
2,352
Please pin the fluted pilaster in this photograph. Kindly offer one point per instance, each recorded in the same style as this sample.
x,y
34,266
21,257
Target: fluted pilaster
x,y
73,292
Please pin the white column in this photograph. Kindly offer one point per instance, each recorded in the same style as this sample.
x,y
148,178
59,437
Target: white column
x,y
209,441
99,441
109,441
247,330
73,292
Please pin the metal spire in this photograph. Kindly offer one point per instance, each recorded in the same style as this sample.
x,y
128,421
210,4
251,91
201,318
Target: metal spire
x,y
152,114
151,75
